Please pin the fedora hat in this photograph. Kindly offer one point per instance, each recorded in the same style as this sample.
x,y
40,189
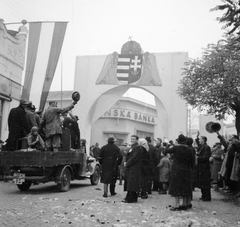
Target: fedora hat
x,y
148,138
24,102
181,138
111,138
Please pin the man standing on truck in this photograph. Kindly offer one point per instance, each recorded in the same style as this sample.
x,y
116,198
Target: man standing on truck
x,y
109,158
51,122
18,125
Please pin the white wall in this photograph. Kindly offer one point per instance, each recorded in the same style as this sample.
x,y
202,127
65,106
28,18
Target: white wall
x,y
96,99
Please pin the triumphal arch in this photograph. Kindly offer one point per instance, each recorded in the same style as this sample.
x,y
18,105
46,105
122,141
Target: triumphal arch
x,y
103,79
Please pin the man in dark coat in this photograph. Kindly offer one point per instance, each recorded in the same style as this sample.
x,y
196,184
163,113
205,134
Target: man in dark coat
x,y
75,132
37,117
153,163
132,183
109,158
96,150
30,116
123,149
52,124
157,186
17,125
203,168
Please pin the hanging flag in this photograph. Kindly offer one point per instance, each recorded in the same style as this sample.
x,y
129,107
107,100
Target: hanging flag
x,y
44,47
129,68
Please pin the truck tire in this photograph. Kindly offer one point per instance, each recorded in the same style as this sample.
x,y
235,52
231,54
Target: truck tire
x,y
65,180
95,176
24,186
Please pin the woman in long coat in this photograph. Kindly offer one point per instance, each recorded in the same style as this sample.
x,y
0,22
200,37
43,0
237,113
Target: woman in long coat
x,y
145,168
180,185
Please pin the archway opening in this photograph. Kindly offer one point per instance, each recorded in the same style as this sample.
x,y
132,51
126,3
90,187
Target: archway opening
x,y
134,110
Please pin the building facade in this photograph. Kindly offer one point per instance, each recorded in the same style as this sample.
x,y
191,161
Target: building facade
x,y
97,79
12,57
125,118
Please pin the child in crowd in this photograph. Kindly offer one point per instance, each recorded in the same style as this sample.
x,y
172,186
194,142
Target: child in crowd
x,y
35,141
164,172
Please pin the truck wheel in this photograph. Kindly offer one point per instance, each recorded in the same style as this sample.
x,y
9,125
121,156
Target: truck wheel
x,y
65,179
24,186
95,176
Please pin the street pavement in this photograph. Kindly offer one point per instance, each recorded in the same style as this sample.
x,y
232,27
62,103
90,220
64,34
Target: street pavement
x,y
83,205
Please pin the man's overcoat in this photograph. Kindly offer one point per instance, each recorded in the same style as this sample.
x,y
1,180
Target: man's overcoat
x,y
109,158
133,169
18,127
203,167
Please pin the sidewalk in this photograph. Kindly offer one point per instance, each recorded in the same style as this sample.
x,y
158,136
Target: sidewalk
x,y
231,197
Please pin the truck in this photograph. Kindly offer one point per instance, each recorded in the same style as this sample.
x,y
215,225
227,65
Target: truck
x,y
27,168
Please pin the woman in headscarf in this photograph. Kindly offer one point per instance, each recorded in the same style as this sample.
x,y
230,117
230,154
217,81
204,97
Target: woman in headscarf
x,y
145,168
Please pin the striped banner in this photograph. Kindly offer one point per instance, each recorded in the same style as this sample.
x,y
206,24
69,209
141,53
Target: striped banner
x,y
44,47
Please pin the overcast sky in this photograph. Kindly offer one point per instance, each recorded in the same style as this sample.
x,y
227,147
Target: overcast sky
x,y
99,27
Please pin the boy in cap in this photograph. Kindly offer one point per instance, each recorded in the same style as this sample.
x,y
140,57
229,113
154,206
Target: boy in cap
x,y
34,140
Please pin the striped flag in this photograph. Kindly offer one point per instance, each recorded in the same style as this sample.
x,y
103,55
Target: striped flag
x,y
44,47
129,68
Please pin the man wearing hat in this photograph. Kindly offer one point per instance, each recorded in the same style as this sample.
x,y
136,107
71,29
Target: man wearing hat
x,y
75,132
36,115
203,168
123,149
153,163
157,186
18,125
30,115
110,158
52,123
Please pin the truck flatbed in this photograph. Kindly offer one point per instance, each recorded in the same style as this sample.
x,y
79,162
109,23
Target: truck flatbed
x,y
40,158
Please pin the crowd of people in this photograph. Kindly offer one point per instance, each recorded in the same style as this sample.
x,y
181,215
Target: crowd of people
x,y
42,130
174,168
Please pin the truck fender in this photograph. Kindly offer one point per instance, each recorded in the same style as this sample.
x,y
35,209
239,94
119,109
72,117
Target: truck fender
x,y
59,172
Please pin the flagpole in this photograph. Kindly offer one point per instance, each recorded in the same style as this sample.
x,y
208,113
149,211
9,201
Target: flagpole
x,y
33,22
61,80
